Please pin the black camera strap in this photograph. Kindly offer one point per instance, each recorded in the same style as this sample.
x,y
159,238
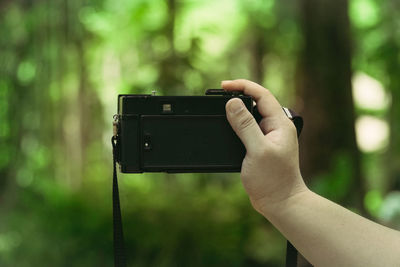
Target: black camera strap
x,y
291,251
119,243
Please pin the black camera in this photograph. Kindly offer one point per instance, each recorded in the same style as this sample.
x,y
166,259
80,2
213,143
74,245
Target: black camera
x,y
178,133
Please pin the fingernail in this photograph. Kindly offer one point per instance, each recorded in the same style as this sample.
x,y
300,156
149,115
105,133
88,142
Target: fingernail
x,y
225,81
236,106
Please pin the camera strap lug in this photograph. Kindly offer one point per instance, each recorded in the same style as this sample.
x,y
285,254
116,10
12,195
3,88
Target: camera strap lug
x,y
115,124
287,112
295,118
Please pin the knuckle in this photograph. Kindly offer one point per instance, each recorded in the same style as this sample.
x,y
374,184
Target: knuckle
x,y
245,121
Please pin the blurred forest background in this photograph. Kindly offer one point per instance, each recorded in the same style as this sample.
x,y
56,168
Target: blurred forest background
x,y
63,63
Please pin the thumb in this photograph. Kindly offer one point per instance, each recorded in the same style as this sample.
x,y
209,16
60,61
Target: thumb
x,y
244,124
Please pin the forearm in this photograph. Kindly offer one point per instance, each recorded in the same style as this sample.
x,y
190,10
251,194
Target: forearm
x,y
330,235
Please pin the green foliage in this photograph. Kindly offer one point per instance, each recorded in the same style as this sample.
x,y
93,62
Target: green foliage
x,y
166,224
335,185
62,65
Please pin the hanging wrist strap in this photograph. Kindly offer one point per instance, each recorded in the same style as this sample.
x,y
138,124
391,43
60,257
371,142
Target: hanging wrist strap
x,y
119,247
291,255
291,251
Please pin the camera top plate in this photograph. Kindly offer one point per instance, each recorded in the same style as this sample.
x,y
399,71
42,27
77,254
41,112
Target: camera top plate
x,y
211,104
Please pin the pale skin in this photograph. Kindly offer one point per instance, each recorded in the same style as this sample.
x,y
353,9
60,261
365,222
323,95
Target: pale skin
x,y
325,233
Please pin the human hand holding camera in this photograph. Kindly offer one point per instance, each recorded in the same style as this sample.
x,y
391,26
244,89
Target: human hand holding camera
x,y
324,232
270,170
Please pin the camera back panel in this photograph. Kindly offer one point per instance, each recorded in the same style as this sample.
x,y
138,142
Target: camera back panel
x,y
177,134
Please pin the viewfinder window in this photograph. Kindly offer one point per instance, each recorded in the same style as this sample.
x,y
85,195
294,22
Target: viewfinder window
x,y
167,108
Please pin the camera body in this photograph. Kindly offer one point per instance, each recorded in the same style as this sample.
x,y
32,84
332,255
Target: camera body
x,y
178,133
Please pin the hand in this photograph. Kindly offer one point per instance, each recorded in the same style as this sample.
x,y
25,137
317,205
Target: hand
x,y
270,170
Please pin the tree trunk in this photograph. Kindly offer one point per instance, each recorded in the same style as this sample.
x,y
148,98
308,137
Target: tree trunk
x,y
324,95
391,62
258,48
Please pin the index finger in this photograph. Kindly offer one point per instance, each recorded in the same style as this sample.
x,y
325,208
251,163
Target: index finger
x,y
267,104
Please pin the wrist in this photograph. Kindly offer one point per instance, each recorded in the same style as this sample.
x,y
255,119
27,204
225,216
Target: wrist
x,y
274,207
